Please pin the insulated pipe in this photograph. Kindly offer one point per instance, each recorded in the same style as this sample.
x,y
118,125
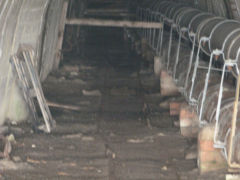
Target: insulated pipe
x,y
205,31
220,32
165,8
197,20
231,45
185,17
196,23
220,38
176,14
204,25
169,13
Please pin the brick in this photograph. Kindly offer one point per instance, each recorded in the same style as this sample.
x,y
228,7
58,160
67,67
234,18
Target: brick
x,y
188,121
209,158
206,145
175,108
214,157
211,167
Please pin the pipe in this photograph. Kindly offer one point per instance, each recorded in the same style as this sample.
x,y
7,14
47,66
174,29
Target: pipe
x,y
220,33
219,36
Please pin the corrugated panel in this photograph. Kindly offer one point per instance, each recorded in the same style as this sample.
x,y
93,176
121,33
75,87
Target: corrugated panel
x,y
49,52
21,21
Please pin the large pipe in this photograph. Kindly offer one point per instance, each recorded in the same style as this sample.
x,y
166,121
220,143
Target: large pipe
x,y
204,25
220,34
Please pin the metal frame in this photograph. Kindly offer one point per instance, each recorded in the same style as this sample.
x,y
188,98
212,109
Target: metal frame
x,y
23,64
209,68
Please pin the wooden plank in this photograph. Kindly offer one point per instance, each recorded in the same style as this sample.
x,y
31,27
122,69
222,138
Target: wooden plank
x,y
112,23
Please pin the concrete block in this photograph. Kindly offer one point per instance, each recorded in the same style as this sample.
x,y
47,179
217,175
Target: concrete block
x,y
175,108
167,85
188,121
209,158
157,66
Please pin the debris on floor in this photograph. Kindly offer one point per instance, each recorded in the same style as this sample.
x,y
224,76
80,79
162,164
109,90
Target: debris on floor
x,y
105,139
91,93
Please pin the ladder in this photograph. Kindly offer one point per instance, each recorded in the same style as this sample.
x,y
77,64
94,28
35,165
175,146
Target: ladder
x,y
29,82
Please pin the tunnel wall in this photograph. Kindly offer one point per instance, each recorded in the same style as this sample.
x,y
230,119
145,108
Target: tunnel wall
x,y
33,22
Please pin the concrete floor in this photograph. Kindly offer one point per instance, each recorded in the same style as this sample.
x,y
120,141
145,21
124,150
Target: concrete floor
x,y
111,137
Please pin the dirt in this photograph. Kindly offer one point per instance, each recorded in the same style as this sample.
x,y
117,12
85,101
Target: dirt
x,y
113,136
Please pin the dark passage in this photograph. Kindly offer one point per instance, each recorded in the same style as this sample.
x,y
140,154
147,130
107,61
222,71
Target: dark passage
x,y
120,132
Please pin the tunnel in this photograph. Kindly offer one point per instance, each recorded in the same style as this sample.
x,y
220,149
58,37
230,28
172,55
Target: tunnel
x,y
119,89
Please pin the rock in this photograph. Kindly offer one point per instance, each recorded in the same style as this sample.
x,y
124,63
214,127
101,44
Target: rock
x,y
148,139
73,74
61,79
83,67
11,138
91,93
176,123
109,152
164,105
232,177
164,168
191,155
79,81
16,158
161,135
135,141
6,164
72,136
88,138
70,68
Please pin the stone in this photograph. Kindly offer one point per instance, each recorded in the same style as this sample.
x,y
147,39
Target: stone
x,y
91,93
70,68
6,164
16,158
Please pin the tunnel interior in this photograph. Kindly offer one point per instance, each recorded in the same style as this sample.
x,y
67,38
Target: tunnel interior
x,y
130,102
